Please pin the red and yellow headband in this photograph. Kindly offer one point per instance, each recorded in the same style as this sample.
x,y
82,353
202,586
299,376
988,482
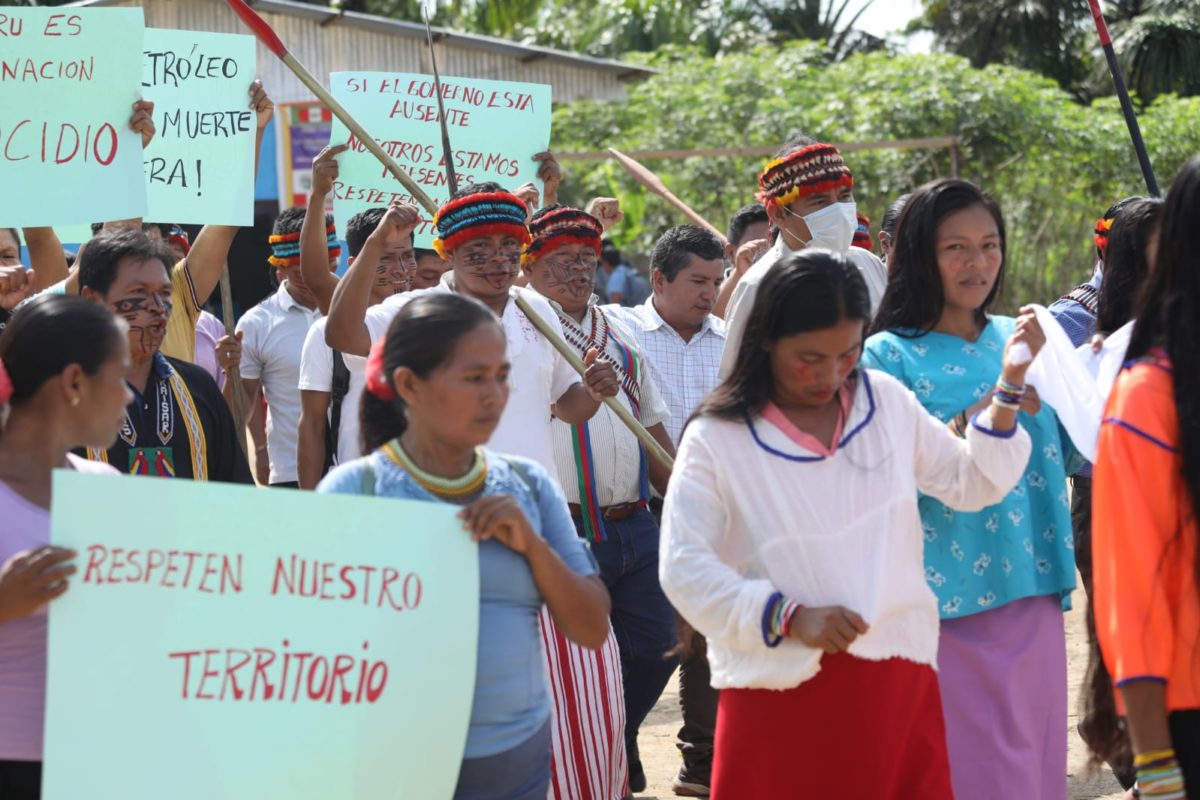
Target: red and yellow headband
x,y
285,247
807,171
560,227
477,215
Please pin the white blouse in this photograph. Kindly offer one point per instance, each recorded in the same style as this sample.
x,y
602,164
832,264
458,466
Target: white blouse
x,y
750,512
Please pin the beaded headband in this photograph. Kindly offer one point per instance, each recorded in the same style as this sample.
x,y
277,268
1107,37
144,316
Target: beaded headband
x,y
476,215
862,234
809,170
285,247
1100,237
559,228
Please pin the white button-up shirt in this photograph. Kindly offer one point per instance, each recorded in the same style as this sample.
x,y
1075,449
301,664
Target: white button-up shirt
x,y
685,372
272,340
616,451
316,375
538,377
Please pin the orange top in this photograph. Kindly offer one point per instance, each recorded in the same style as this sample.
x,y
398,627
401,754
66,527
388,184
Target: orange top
x,y
1144,537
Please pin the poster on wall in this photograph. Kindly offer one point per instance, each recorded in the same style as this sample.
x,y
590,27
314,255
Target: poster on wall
x,y
303,132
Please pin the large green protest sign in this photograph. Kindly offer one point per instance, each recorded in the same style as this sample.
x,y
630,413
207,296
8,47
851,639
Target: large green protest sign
x,y
230,642
200,165
495,127
68,82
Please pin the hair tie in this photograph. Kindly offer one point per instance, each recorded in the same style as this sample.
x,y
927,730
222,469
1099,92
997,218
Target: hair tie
x,y
377,379
6,387
1100,237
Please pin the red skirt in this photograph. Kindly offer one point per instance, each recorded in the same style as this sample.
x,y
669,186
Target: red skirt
x,y
859,730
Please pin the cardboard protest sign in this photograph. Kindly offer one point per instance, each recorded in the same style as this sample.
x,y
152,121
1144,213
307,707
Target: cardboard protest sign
x,y
231,642
200,165
68,82
496,127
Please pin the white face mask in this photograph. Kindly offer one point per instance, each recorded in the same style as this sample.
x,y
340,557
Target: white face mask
x,y
832,227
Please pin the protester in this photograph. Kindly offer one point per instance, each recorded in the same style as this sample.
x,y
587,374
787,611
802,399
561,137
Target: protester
x,y
793,516
430,268
437,385
1128,260
48,260
605,472
178,424
615,280
808,192
682,342
480,233
331,383
749,238
1147,503
273,334
63,362
1004,575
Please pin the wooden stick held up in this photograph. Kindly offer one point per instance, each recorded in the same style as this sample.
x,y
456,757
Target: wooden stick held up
x,y
652,182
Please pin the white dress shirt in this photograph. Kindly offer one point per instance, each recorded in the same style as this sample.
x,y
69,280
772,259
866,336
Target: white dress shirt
x,y
272,339
751,512
873,270
538,377
685,372
616,451
316,375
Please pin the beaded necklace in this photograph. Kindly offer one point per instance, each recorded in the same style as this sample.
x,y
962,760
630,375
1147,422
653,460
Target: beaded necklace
x,y
450,488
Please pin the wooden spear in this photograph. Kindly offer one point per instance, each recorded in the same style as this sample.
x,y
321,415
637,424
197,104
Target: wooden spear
x,y
268,37
652,182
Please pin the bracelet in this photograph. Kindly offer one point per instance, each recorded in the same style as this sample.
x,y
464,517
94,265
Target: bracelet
x,y
958,425
1009,388
1159,775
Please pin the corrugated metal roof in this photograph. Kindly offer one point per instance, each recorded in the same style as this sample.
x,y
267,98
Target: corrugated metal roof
x,y
329,41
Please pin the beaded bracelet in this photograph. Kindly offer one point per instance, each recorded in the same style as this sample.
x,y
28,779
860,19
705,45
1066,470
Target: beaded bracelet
x,y
1008,395
958,425
1159,775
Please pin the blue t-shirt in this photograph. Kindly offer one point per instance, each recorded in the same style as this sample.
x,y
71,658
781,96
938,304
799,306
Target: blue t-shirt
x,y
511,701
1021,547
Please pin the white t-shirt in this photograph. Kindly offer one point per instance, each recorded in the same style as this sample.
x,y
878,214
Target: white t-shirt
x,y
873,270
539,376
316,375
272,339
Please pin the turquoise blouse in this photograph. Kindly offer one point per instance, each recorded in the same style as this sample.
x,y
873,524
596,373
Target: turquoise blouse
x,y
1022,547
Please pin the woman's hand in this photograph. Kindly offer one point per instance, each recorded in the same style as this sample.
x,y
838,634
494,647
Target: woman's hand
x,y
499,517
31,578
828,628
1028,333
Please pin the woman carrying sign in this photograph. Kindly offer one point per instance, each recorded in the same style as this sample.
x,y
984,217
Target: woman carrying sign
x,y
436,387
63,362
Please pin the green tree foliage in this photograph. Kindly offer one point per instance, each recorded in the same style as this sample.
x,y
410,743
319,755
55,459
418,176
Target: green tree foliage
x,y
1158,46
1054,164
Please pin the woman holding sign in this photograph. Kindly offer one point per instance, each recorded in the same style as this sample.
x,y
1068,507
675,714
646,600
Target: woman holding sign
x,y
63,362
436,387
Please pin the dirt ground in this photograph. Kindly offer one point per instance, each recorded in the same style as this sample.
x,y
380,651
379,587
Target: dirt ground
x,y
661,759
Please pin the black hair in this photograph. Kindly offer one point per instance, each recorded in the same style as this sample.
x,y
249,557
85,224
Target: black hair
x,y
360,227
674,249
51,332
291,220
487,187
98,262
1169,317
892,215
1112,213
797,141
97,227
16,234
808,291
742,219
422,337
1125,265
915,298
421,252
609,253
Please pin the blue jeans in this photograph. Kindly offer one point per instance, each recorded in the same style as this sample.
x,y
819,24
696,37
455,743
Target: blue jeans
x,y
642,617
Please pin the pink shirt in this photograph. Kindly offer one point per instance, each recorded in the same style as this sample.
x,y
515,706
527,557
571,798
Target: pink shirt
x,y
774,415
209,331
23,641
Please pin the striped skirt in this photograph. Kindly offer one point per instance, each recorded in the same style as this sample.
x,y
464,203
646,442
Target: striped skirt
x,y
588,731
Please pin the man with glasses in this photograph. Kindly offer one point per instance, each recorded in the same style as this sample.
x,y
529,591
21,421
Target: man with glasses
x,y
481,232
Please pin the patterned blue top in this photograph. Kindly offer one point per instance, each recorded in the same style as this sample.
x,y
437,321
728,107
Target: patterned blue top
x,y
512,700
1022,547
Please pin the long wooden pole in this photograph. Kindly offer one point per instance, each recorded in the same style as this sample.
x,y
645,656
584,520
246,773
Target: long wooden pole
x,y
268,37
652,182
233,375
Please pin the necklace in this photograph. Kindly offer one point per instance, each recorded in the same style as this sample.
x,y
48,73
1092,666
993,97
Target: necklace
x,y
452,488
